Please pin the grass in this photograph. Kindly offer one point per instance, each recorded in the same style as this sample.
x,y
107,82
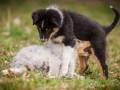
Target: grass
x,y
15,36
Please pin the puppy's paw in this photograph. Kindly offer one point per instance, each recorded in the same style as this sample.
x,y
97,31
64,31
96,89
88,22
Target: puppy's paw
x,y
52,76
63,73
78,76
5,72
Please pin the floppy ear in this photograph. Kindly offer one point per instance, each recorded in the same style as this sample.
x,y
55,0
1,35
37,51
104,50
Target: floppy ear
x,y
35,17
57,21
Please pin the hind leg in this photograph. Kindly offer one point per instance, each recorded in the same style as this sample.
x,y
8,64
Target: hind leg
x,y
83,65
99,46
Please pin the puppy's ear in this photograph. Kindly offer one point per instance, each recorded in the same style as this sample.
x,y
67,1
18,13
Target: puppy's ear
x,y
35,17
57,21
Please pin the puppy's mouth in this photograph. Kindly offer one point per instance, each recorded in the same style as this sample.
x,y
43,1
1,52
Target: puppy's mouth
x,y
87,54
88,50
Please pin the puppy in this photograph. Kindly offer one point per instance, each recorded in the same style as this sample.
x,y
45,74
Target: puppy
x,y
85,50
45,59
61,26
49,24
30,58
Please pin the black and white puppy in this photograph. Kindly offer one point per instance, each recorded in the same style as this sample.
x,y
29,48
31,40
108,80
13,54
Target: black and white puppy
x,y
60,26
50,23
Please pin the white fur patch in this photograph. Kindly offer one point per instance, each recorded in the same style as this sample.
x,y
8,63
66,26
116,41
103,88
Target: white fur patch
x,y
58,10
59,39
111,6
42,25
68,61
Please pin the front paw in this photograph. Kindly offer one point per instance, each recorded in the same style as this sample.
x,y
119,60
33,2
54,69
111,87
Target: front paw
x,y
75,75
52,76
62,74
78,76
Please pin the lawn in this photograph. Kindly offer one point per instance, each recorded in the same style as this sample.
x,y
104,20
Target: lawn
x,y
17,31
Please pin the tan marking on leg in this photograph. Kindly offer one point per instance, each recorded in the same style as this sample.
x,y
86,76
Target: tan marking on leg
x,y
82,64
98,63
54,31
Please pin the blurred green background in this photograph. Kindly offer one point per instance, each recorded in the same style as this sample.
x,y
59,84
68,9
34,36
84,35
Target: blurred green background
x,y
17,31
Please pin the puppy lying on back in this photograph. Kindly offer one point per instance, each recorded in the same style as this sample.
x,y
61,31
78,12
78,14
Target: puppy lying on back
x,y
46,59
33,57
84,50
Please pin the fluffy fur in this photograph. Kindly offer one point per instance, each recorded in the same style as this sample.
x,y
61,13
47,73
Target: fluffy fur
x,y
46,59
69,24
48,22
33,57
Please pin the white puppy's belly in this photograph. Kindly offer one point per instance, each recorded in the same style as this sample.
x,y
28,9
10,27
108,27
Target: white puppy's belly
x,y
67,57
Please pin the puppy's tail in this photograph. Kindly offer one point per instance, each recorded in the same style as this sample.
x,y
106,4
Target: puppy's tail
x,y
117,17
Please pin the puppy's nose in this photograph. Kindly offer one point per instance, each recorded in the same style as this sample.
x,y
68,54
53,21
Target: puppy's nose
x,y
43,40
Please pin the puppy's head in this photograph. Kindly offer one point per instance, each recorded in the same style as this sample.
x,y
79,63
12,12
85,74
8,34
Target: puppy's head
x,y
48,22
83,48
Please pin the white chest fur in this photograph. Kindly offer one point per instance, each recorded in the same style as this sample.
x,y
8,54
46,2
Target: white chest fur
x,y
67,56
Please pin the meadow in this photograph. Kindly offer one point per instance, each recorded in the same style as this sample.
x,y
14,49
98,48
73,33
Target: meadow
x,y
17,31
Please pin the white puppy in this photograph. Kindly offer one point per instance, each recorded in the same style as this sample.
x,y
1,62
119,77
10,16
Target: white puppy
x,y
45,59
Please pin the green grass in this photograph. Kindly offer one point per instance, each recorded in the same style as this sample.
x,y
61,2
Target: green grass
x,y
14,37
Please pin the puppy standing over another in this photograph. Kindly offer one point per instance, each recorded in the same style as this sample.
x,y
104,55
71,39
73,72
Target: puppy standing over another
x,y
49,24
69,24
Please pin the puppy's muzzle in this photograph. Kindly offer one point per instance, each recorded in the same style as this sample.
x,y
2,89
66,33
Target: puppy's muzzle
x,y
43,39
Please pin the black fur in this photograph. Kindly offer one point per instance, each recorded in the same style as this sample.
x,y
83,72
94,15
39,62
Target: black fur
x,y
87,29
52,19
82,27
